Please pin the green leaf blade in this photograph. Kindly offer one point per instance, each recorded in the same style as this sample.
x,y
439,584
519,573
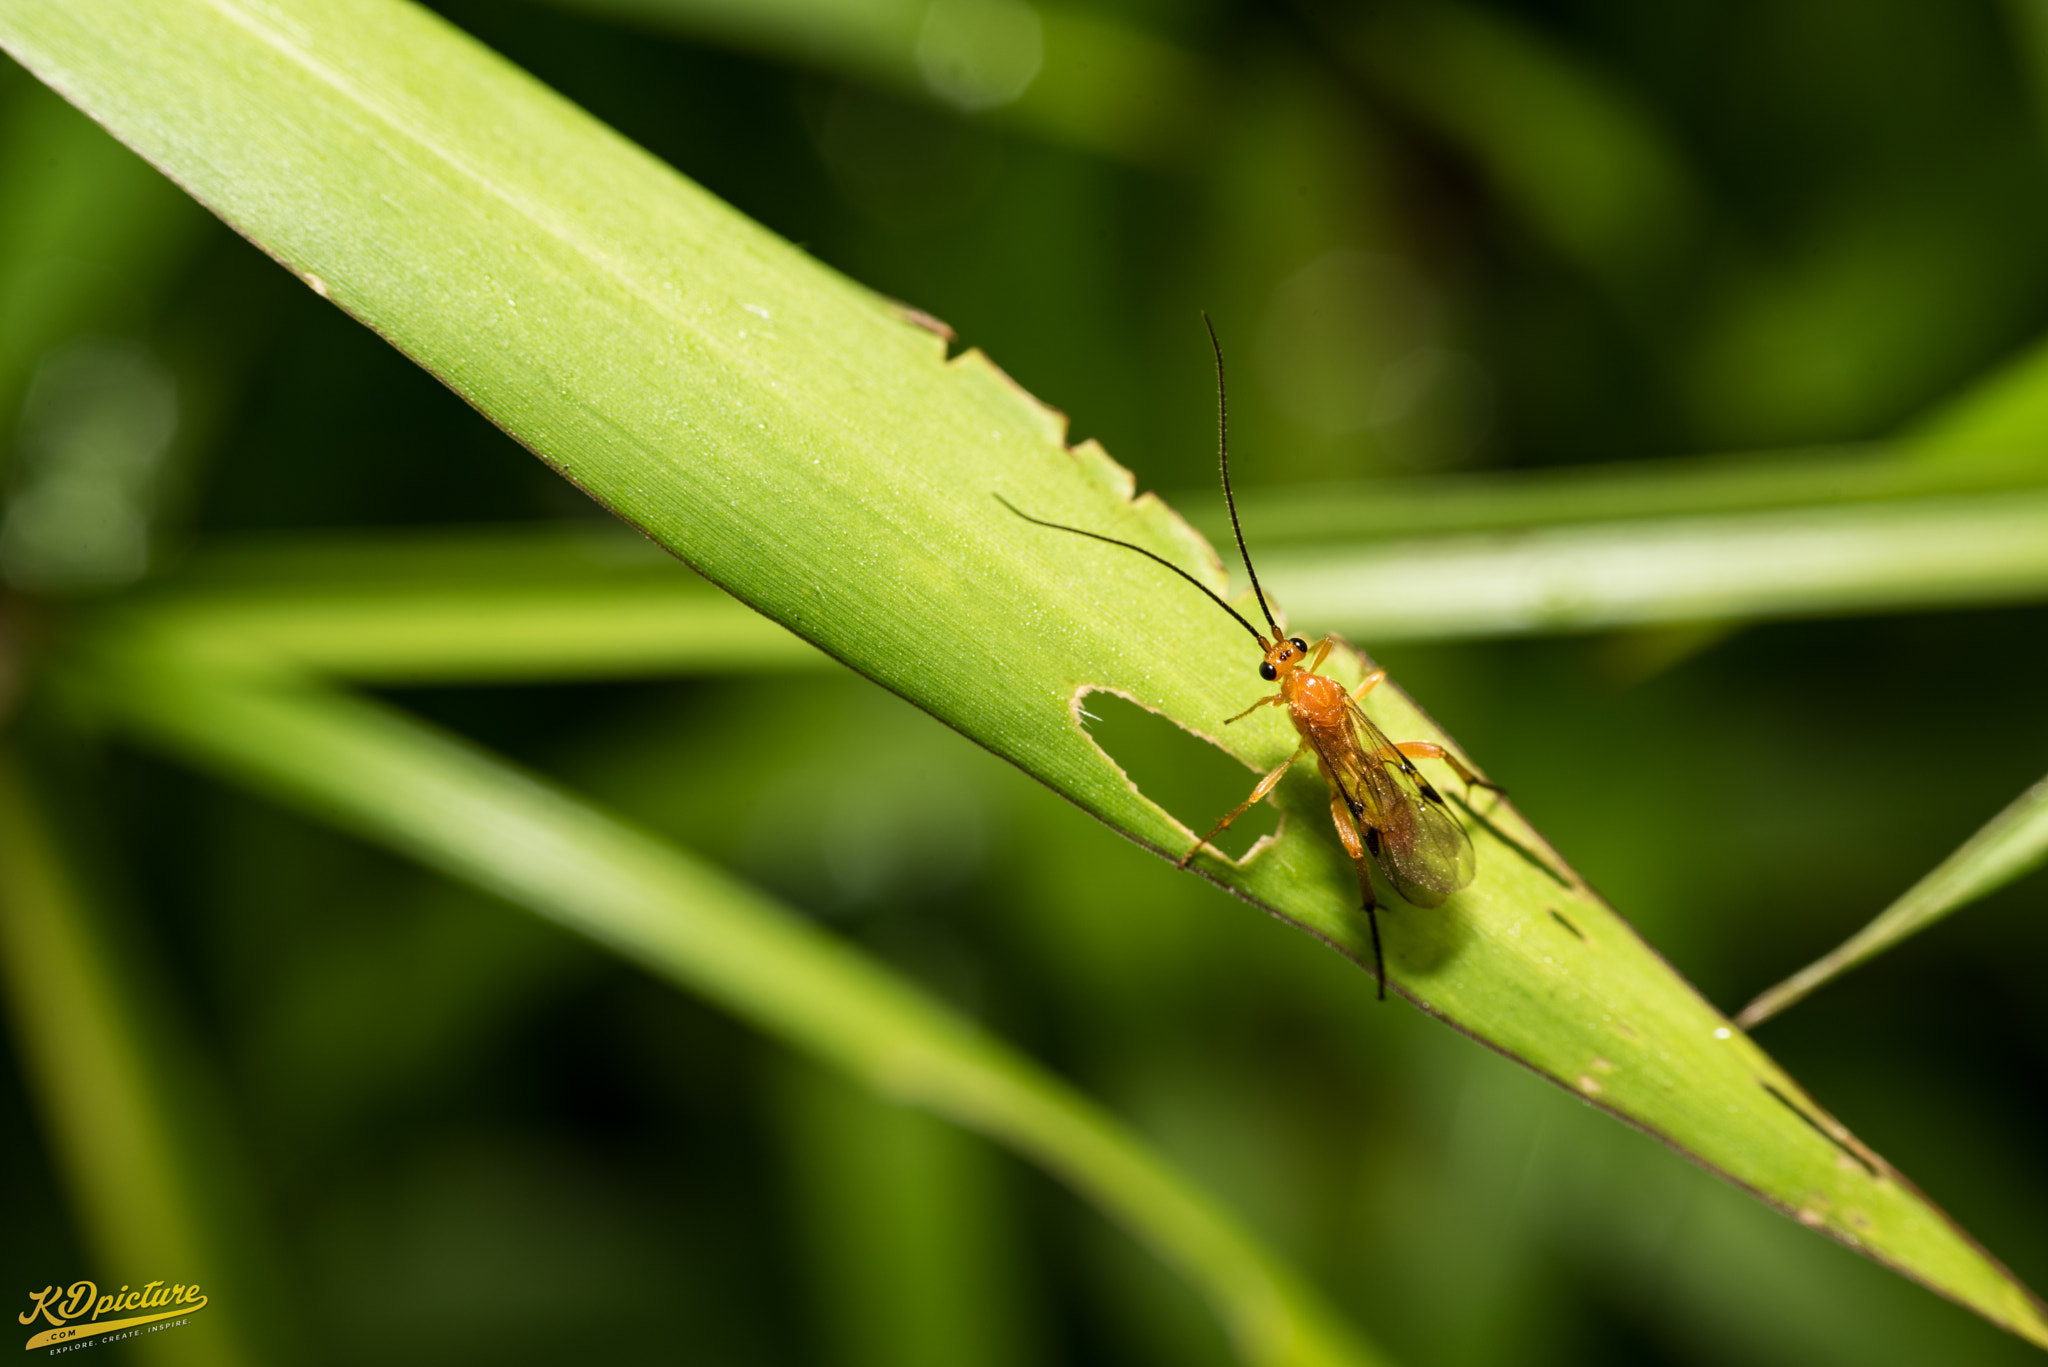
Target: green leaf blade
x,y
789,435
2009,846
500,605
426,794
1908,554
131,1114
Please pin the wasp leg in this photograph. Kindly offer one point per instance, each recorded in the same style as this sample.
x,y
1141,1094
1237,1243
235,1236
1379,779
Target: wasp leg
x,y
1269,700
1265,786
1421,749
1347,832
1429,749
1370,682
1322,653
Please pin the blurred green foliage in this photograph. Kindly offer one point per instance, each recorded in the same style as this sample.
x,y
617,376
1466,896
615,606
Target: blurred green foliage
x,y
1438,237
2010,845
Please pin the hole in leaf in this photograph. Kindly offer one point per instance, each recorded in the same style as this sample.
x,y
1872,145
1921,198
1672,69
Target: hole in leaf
x,y
1180,771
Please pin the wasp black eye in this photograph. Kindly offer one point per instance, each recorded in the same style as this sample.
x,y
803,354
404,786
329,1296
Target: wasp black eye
x,y
1298,644
1267,672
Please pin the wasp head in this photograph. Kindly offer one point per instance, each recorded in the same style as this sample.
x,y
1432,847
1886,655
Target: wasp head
x,y
1282,656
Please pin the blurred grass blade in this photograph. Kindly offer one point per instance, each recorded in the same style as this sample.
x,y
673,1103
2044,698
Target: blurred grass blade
x,y
456,809
1065,72
119,1106
1881,556
2010,845
1694,486
1717,539
2004,413
909,1228
804,446
472,606
562,603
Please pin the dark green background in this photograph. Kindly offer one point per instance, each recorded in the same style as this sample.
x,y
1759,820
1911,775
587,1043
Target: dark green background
x,y
476,1138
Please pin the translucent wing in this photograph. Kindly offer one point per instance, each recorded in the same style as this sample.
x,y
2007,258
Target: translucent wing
x,y
1417,843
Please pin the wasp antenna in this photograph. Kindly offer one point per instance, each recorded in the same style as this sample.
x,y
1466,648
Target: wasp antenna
x,y
1098,536
1223,459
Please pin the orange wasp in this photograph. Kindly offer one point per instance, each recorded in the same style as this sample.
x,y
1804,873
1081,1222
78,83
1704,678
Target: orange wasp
x,y
1385,811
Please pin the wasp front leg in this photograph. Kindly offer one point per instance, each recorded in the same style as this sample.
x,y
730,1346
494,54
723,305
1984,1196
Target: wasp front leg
x,y
1265,786
1270,700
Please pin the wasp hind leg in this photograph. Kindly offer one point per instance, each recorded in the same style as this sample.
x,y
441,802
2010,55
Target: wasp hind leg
x,y
1429,749
1426,749
1347,832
